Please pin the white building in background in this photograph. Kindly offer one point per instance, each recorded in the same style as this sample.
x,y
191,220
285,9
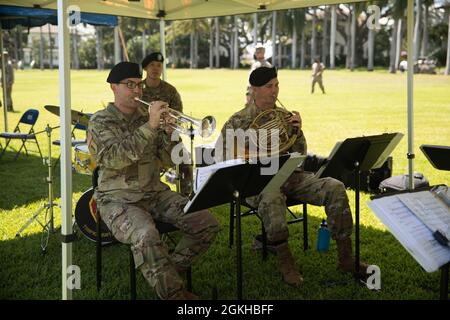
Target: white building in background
x,y
45,32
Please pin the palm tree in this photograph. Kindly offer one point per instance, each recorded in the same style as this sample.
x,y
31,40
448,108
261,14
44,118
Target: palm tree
x,y
313,36
333,36
417,29
447,66
397,9
426,14
274,40
325,34
99,47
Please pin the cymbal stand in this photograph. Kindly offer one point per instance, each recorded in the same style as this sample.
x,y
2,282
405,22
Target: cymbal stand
x,y
48,224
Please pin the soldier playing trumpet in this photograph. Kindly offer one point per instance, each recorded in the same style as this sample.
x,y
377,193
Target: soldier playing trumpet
x,y
130,149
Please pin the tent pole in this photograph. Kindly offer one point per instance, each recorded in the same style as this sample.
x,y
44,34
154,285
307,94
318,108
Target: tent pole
x,y
66,151
410,29
162,38
5,109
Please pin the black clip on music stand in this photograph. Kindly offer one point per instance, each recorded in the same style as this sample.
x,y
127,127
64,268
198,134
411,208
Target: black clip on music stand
x,y
355,155
439,157
231,185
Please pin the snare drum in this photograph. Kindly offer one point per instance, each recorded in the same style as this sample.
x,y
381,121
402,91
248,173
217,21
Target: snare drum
x,y
84,162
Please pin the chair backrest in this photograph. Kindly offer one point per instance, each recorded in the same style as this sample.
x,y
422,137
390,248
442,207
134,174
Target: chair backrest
x,y
30,117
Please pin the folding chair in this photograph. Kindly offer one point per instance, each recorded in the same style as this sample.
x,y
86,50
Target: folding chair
x,y
24,131
254,211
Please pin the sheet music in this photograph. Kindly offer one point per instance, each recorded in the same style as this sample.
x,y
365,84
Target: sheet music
x,y
203,173
434,214
411,232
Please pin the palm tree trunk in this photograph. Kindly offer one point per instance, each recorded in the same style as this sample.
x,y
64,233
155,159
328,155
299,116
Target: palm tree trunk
x,y
370,49
117,52
280,55
302,49
333,36
348,42
41,50
99,46
392,51
50,46
255,29
447,66
191,50
353,38
211,45
144,40
274,33
424,51
399,43
313,37
173,47
76,60
216,23
236,44
294,43
417,28
324,36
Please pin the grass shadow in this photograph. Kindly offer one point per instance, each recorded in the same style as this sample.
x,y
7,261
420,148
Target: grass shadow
x,y
23,181
27,274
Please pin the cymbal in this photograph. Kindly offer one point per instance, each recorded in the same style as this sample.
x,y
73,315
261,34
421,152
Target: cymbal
x,y
77,116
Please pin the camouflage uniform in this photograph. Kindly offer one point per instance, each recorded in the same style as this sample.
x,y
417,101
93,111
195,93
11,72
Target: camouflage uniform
x,y
301,186
168,93
317,69
130,197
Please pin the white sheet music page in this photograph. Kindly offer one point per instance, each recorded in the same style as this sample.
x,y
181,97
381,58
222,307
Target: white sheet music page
x,y
203,173
411,232
430,210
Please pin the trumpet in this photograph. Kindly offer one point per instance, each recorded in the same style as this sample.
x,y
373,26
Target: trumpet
x,y
189,125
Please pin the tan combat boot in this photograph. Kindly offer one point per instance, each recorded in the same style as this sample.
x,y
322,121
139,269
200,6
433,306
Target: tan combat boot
x,y
287,266
346,260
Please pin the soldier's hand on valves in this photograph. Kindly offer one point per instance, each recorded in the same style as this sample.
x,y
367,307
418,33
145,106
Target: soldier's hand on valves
x,y
296,120
169,123
155,110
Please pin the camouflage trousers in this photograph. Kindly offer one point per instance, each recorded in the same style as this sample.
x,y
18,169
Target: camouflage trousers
x,y
305,187
134,223
319,81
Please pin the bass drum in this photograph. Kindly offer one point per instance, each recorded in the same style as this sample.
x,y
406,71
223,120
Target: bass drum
x,y
86,219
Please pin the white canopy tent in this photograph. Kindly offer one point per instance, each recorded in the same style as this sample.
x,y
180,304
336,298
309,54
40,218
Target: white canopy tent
x,y
165,10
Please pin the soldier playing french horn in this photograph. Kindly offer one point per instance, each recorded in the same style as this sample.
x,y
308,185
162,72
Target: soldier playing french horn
x,y
301,186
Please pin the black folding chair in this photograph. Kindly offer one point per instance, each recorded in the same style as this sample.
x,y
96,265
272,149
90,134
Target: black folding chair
x,y
254,211
24,131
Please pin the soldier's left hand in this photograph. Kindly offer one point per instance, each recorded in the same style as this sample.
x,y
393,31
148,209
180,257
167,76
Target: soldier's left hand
x,y
168,124
295,120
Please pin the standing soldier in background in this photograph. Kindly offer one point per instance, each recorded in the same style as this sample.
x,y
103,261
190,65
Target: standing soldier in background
x,y
317,71
9,71
130,148
157,89
260,61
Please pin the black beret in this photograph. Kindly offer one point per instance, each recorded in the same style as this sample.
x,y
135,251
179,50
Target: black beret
x,y
155,56
260,76
124,70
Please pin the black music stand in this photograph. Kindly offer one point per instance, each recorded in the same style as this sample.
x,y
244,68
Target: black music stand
x,y
355,155
439,157
231,185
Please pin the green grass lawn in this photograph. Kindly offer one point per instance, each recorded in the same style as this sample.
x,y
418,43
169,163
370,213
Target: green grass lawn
x,y
356,104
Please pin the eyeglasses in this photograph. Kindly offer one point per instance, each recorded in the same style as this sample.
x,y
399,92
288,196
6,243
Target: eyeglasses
x,y
132,85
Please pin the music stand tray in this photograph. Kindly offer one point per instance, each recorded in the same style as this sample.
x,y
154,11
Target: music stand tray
x,y
438,156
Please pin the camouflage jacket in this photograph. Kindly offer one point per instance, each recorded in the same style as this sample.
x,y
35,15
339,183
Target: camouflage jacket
x,y
129,154
243,119
164,92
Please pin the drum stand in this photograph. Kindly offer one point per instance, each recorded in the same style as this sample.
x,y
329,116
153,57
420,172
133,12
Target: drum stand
x,y
48,225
